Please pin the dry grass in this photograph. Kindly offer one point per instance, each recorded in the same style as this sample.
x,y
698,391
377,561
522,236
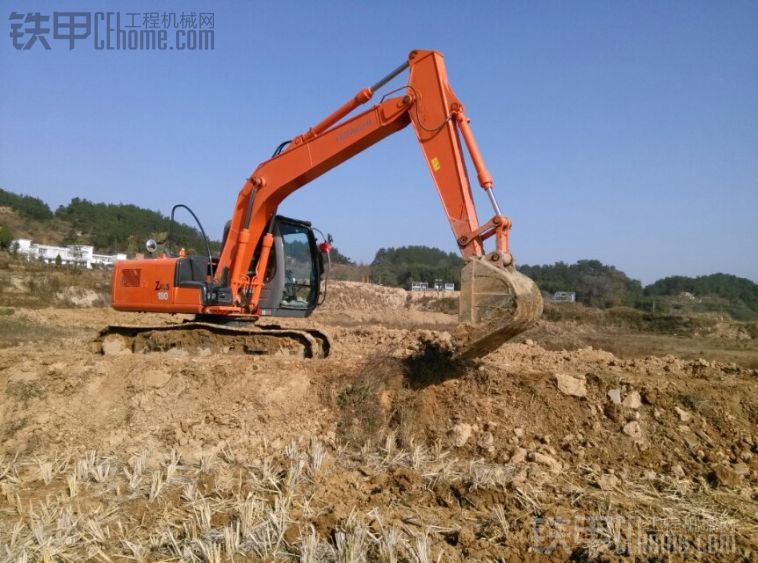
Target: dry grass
x,y
152,506
17,329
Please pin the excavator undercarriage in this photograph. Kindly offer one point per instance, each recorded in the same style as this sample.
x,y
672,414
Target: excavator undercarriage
x,y
204,338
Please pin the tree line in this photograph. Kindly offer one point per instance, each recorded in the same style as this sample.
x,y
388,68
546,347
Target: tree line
x,y
736,296
600,285
28,206
110,227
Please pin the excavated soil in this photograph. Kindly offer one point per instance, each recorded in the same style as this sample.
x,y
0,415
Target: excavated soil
x,y
387,450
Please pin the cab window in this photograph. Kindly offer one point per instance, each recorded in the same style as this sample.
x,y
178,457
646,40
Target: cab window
x,y
299,274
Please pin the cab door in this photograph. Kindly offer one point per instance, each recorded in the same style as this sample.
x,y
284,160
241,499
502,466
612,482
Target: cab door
x,y
293,277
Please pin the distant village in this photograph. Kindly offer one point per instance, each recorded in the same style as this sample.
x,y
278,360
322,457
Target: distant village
x,y
74,254
438,285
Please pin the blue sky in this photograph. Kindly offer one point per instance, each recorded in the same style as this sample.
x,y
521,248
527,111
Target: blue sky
x,y
623,131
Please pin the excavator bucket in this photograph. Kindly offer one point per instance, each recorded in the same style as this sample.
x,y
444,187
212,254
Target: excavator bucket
x,y
497,303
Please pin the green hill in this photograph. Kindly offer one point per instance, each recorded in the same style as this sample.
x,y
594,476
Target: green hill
x,y
108,227
27,206
716,292
123,226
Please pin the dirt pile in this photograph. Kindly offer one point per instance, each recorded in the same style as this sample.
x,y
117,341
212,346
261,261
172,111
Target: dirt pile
x,y
352,304
81,297
575,406
358,296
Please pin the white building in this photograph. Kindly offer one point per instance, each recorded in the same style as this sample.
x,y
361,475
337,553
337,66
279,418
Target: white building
x,y
419,286
563,297
78,254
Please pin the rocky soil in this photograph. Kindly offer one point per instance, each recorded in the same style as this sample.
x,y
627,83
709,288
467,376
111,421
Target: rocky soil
x,y
387,450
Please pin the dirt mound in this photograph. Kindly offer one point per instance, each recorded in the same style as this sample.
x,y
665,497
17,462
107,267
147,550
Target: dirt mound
x,y
81,297
357,296
728,330
698,414
343,295
354,304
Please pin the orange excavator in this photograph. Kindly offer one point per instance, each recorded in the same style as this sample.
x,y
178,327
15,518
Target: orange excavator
x,y
273,266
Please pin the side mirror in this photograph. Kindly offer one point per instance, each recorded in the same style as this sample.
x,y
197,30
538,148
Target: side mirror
x,y
151,246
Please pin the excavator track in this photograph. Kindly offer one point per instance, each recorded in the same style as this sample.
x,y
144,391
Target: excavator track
x,y
204,338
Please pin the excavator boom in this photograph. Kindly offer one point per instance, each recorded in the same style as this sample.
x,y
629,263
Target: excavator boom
x,y
497,302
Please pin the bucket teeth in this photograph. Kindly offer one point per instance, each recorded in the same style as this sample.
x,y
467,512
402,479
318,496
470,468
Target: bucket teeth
x,y
497,303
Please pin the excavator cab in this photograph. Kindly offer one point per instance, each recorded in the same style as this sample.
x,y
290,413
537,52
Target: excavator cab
x,y
292,284
292,281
